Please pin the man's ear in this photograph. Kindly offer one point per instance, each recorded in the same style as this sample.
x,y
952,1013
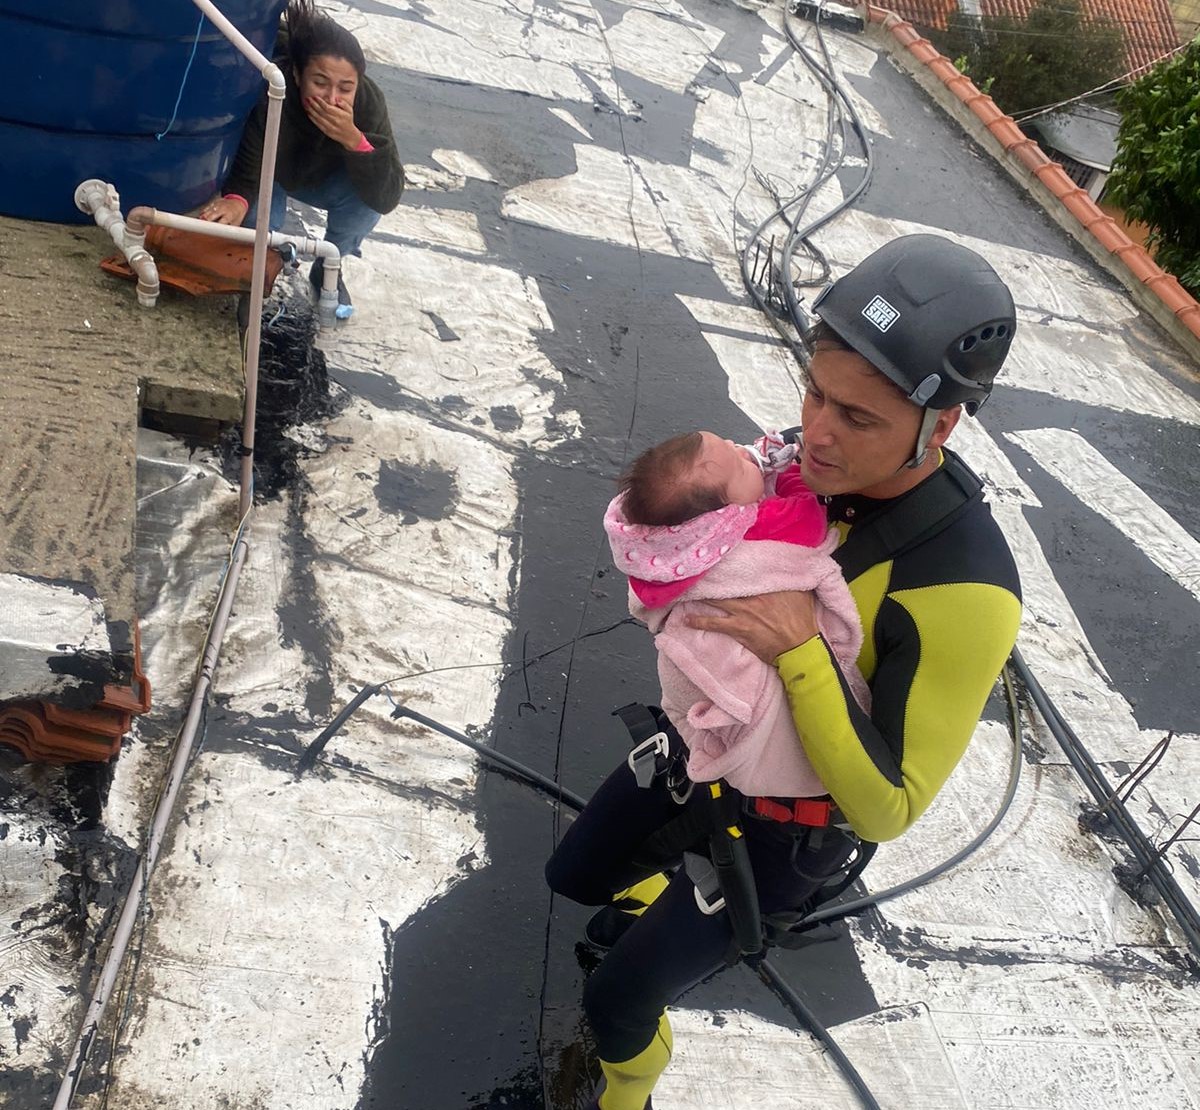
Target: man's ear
x,y
946,421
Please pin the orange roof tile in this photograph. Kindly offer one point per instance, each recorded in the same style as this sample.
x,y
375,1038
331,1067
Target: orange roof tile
x,y
1149,26
924,13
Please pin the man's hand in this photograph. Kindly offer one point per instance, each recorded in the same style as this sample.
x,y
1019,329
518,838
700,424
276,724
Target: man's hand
x,y
224,210
767,624
336,120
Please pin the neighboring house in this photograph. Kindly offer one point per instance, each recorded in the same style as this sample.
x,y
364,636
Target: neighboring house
x,y
1187,18
1149,25
1083,141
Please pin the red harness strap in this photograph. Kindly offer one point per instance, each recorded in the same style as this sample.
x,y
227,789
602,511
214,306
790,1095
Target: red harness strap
x,y
816,812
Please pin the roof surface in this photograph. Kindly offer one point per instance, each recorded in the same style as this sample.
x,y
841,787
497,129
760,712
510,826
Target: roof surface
x,y
1089,135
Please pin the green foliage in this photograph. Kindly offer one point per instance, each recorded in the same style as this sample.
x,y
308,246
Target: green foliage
x,y
1054,54
1156,177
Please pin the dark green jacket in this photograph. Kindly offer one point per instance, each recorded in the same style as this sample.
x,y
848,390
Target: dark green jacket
x,y
307,157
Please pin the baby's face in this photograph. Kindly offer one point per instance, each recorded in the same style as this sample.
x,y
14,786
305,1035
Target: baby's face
x,y
729,468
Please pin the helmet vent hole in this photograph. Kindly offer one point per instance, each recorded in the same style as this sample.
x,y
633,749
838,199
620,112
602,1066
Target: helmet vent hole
x,y
987,333
1001,331
967,342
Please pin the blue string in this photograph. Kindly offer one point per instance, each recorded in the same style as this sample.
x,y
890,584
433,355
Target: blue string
x,y
188,69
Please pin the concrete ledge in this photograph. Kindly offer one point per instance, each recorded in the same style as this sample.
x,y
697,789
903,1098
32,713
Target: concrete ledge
x,y
79,358
1155,291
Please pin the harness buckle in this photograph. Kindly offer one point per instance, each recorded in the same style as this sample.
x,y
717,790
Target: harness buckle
x,y
706,884
817,813
643,758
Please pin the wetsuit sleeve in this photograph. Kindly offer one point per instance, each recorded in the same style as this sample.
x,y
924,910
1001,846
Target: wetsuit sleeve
x,y
938,652
243,177
376,174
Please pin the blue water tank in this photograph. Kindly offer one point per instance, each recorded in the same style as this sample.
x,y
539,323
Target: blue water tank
x,y
89,85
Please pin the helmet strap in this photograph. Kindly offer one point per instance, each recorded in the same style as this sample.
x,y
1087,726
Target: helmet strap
x,y
928,420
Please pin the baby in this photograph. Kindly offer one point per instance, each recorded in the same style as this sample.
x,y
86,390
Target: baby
x,y
699,517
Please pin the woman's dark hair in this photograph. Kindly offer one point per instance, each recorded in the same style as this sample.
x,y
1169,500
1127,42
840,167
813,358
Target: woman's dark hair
x,y
312,34
656,486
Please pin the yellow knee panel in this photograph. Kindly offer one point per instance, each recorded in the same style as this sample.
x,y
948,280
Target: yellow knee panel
x,y
643,893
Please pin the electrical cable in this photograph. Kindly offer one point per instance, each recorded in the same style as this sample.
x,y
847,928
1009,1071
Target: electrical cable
x,y
767,972
1044,108
841,103
803,198
1145,854
308,757
159,135
856,905
761,966
535,778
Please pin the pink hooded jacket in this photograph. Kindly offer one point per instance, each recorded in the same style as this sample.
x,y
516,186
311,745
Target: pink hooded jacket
x,y
730,706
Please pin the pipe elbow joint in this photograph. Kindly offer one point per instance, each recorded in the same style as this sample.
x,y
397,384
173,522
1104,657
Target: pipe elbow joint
x,y
276,83
138,220
142,263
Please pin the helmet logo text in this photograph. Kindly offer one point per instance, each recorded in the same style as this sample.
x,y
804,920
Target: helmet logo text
x,y
880,313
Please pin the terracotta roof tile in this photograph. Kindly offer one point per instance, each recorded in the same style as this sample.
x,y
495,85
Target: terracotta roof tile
x,y
1149,25
924,13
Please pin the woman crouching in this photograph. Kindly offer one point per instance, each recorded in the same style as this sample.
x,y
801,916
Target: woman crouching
x,y
336,148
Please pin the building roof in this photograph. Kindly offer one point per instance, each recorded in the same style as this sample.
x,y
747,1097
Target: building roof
x,y
1087,134
1149,25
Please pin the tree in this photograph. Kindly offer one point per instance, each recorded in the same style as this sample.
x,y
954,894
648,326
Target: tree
x,y
1052,55
1156,175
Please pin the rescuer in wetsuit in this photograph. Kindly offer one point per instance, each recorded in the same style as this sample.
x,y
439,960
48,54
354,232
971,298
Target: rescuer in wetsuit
x,y
911,336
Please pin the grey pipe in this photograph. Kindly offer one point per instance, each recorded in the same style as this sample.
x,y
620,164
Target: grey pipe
x,y
162,816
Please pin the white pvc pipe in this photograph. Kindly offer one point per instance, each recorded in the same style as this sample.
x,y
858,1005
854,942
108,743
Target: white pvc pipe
x,y
142,217
248,50
100,200
276,89
258,279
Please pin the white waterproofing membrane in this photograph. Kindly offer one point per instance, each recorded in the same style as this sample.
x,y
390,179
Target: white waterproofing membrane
x,y
40,621
1025,978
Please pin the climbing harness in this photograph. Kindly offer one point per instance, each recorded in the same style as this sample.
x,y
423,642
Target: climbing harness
x,y
708,840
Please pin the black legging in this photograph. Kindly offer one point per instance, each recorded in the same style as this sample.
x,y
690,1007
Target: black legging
x,y
673,945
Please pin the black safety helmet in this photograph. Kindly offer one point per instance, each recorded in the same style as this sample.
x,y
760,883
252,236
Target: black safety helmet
x,y
932,316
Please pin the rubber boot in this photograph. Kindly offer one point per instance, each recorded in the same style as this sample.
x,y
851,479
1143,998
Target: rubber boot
x,y
627,1085
608,924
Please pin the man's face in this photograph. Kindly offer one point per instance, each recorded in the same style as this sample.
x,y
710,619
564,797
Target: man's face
x,y
859,429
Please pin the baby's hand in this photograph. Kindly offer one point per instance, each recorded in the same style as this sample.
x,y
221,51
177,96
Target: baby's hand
x,y
775,455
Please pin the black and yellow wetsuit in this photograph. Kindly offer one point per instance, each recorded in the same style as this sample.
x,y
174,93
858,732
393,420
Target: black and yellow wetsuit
x,y
939,622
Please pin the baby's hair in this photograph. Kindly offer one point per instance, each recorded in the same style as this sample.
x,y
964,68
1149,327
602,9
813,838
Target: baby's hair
x,y
313,34
657,488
